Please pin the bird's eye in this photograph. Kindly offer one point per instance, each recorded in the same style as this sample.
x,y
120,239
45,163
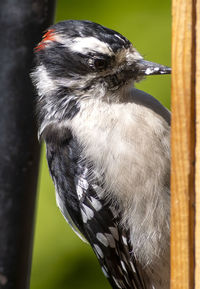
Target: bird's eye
x,y
100,64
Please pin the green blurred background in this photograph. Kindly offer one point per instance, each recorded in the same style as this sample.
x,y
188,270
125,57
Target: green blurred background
x,y
60,259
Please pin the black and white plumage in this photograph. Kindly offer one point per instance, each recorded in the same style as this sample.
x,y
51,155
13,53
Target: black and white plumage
x,y
107,149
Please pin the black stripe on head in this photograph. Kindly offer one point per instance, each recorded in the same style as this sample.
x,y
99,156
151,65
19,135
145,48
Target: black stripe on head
x,y
61,61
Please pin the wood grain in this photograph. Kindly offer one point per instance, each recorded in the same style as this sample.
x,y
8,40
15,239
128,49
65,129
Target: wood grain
x,y
183,144
197,151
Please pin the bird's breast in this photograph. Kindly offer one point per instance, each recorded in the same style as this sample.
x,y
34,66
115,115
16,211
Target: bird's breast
x,y
127,143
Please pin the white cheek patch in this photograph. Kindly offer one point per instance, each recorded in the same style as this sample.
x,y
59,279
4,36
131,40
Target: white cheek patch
x,y
86,44
44,83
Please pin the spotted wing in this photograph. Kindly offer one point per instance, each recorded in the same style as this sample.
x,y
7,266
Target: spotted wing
x,y
94,217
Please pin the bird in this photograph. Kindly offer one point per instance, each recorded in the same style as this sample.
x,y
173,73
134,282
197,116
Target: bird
x,y
108,149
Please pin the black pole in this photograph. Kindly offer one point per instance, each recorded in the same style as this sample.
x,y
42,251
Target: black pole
x,y
21,25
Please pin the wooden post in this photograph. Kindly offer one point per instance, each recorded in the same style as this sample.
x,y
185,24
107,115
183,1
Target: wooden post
x,y
197,156
185,169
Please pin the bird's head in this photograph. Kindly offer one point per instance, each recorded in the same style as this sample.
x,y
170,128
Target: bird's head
x,y
82,59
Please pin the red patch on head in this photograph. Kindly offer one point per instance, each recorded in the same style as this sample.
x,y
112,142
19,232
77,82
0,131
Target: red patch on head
x,y
48,36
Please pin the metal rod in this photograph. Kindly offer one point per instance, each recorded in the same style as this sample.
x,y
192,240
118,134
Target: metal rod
x,y
22,23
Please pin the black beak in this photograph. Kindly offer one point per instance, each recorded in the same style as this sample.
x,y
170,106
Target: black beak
x,y
150,68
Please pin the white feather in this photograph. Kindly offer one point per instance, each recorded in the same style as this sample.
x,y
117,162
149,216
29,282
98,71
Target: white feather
x,y
67,217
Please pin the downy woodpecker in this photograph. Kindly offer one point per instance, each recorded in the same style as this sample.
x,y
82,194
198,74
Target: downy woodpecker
x,y
108,149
